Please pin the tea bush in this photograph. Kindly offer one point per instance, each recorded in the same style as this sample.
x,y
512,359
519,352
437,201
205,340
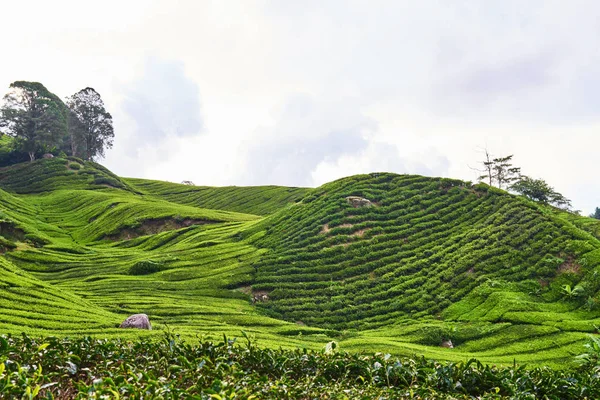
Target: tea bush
x,y
145,267
170,368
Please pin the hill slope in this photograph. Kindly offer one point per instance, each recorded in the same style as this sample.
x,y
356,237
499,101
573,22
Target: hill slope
x,y
115,251
427,259
423,245
51,174
259,200
28,304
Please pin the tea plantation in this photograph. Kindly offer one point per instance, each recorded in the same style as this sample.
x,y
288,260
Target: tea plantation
x,y
378,263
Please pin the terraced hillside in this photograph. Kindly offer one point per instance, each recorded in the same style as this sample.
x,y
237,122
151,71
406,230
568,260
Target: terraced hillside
x,y
423,261
435,250
115,251
259,200
420,246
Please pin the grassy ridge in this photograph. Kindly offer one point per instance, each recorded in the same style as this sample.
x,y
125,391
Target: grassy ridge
x,y
58,173
92,215
432,259
258,200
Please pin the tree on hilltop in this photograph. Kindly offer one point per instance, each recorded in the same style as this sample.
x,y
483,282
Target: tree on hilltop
x,y
487,169
504,172
91,126
538,190
596,213
33,116
499,171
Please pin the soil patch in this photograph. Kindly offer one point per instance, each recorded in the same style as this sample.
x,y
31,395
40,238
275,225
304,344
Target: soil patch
x,y
359,233
10,232
260,296
246,290
154,226
570,266
344,245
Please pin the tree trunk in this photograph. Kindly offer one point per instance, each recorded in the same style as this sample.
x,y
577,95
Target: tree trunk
x,y
31,156
73,145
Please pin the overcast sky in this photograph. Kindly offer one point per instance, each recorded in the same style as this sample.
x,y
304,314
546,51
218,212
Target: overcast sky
x,y
299,93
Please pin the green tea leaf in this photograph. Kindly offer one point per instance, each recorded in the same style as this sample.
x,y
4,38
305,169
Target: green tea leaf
x,y
43,346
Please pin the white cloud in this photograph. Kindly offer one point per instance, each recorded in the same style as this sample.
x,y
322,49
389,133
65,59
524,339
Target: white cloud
x,y
305,132
159,107
382,157
411,87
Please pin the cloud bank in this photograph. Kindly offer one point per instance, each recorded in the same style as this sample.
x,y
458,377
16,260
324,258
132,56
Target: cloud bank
x,y
301,93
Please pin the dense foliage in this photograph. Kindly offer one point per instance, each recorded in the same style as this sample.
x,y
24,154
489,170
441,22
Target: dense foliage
x,y
39,122
172,369
34,117
423,245
539,190
498,171
92,127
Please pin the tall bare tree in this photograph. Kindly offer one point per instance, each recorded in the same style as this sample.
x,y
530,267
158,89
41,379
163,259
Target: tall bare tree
x,y
488,168
498,170
504,172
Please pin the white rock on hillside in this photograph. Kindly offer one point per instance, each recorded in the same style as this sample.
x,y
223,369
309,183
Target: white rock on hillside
x,y
139,321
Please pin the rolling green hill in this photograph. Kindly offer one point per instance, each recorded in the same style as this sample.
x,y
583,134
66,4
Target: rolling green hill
x,y
424,260
422,246
259,200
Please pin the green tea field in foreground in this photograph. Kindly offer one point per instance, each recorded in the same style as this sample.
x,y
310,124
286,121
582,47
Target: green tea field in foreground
x,y
170,368
424,260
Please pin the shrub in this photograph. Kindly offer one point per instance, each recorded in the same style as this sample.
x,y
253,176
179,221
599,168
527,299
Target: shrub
x,y
146,267
105,180
171,368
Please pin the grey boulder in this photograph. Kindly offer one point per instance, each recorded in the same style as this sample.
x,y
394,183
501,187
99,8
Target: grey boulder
x,y
358,202
138,321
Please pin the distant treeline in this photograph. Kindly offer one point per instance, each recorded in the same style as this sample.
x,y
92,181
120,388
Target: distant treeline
x,y
35,121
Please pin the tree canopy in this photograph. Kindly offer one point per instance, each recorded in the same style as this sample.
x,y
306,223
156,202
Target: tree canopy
x,y
91,125
33,116
499,170
540,191
39,122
